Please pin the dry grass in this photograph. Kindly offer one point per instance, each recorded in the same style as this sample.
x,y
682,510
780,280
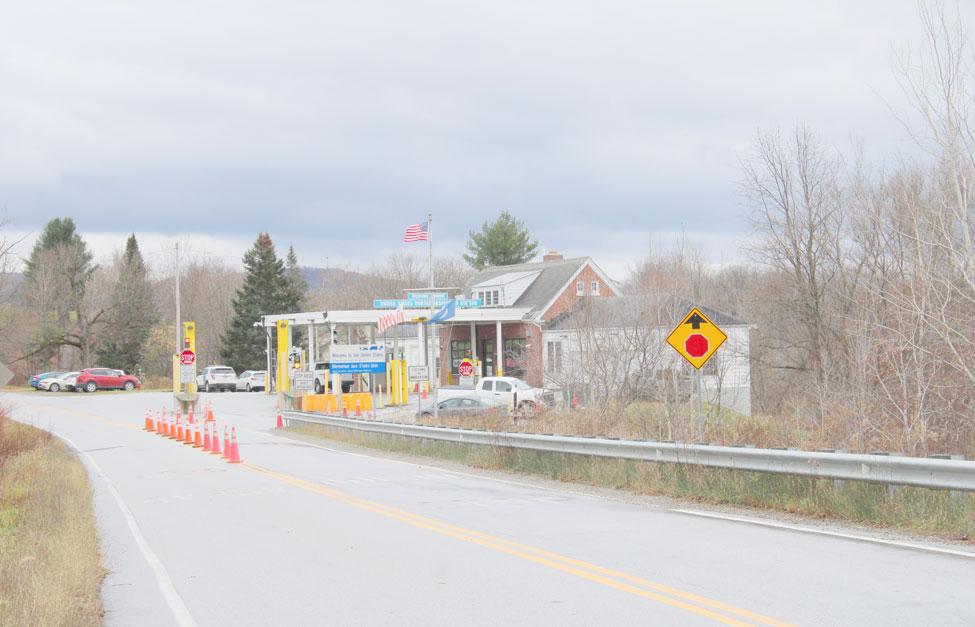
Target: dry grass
x,y
654,421
50,572
934,512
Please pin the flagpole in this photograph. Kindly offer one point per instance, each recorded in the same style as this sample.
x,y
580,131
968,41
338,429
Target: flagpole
x,y
430,362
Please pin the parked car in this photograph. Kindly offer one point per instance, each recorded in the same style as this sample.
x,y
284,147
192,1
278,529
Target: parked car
x,y
217,378
461,406
251,381
503,391
91,379
347,379
35,381
58,383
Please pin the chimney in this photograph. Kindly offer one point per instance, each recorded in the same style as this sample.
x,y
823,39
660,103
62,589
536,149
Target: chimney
x,y
552,255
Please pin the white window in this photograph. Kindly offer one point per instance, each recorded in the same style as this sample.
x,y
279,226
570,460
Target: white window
x,y
580,289
554,357
487,298
594,288
497,301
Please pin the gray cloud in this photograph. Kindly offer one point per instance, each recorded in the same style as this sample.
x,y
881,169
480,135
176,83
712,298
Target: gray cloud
x,y
334,124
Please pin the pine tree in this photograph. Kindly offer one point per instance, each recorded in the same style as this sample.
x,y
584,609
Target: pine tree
x,y
266,290
297,285
503,242
133,314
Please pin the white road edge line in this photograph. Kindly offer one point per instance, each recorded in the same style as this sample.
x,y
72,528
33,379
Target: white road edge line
x,y
824,532
180,612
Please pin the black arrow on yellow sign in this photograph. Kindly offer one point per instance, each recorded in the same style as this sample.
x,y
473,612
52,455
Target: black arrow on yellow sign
x,y
695,321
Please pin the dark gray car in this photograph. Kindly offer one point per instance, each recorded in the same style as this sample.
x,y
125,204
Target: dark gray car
x,y
460,406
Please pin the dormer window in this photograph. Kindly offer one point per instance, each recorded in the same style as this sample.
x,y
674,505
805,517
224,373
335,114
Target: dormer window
x,y
580,289
594,288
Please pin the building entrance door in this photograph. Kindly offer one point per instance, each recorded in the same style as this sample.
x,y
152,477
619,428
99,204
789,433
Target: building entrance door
x,y
486,355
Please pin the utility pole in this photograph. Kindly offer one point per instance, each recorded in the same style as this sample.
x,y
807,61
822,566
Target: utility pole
x,y
179,325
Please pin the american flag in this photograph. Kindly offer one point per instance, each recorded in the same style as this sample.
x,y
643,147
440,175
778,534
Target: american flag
x,y
416,233
391,320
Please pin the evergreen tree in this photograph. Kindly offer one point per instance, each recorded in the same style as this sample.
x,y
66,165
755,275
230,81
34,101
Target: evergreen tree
x,y
56,279
133,313
266,290
296,283
500,243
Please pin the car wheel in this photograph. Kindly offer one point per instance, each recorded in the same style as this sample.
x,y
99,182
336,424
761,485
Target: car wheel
x,y
248,387
206,387
129,386
90,386
318,387
55,387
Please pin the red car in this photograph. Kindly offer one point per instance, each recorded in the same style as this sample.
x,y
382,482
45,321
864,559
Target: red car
x,y
92,379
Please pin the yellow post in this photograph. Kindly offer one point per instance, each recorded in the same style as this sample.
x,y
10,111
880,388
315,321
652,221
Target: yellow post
x,y
284,380
189,342
404,380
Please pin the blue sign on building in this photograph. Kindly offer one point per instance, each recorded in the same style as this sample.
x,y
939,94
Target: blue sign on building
x,y
357,367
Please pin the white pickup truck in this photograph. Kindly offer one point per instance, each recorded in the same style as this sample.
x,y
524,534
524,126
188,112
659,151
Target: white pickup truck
x,y
503,391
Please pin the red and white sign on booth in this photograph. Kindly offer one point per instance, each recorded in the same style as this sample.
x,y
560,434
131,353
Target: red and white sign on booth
x,y
187,358
187,367
465,368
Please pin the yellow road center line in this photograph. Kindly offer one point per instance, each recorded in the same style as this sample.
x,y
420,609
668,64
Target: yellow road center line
x,y
579,568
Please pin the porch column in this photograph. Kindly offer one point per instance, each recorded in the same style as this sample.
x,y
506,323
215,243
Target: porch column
x,y
477,371
498,350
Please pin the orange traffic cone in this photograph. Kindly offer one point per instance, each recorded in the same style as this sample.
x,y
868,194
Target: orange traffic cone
x,y
209,416
167,424
358,406
215,441
207,447
234,451
192,418
188,435
280,420
424,393
179,430
226,443
197,438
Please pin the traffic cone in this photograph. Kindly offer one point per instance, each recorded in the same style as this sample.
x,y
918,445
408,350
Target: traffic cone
x,y
165,428
197,438
226,443
209,416
207,446
192,418
358,407
234,451
280,420
179,430
215,441
188,435
424,393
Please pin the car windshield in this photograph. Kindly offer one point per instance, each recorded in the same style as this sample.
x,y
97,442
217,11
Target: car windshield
x,y
521,385
223,370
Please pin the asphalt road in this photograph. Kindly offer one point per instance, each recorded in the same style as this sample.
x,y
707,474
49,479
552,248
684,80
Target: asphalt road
x,y
305,534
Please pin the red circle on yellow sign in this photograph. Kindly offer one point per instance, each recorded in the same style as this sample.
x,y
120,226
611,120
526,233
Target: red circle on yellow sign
x,y
696,345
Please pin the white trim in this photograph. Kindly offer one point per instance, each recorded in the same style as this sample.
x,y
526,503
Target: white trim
x,y
586,261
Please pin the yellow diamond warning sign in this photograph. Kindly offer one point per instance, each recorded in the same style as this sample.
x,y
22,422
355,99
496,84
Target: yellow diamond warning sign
x,y
696,338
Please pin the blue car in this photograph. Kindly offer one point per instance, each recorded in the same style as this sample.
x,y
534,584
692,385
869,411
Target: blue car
x,y
37,378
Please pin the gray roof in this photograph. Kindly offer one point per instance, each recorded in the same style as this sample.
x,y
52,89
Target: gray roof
x,y
627,310
554,275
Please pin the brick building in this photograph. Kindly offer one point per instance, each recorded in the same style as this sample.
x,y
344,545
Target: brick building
x,y
519,301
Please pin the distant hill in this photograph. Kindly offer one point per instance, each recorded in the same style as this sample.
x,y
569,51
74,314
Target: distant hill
x,y
329,279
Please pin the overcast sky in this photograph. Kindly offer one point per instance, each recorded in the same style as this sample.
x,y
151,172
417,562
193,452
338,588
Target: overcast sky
x,y
603,125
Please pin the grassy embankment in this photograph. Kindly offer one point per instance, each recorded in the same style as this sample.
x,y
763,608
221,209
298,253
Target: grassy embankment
x,y
50,573
933,512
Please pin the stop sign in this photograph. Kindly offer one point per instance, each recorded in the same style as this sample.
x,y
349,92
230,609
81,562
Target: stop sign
x,y
187,358
696,345
465,368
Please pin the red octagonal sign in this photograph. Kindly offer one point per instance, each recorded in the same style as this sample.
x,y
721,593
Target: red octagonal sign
x,y
187,358
696,345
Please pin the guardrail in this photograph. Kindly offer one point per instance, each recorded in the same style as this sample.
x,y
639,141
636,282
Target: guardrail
x,y
948,474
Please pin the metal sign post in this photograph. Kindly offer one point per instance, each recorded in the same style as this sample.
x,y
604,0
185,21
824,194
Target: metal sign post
x,y
417,374
697,339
